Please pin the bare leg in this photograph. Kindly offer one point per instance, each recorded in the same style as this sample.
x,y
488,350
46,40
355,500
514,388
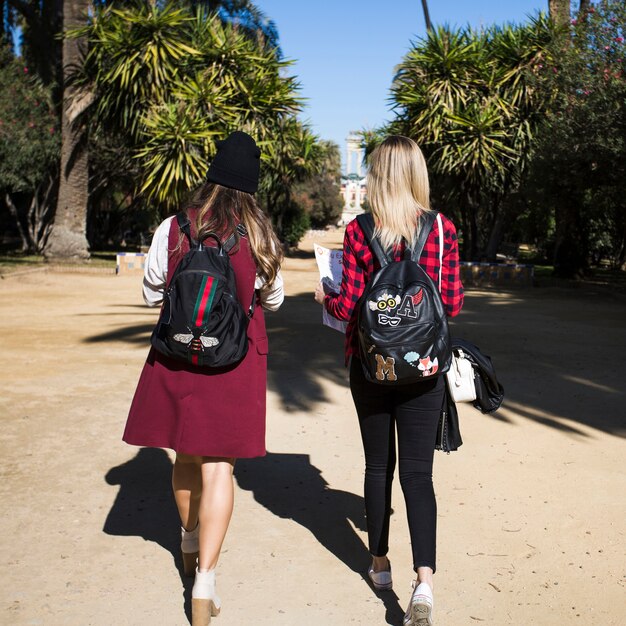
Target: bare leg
x,y
425,575
187,486
380,563
216,508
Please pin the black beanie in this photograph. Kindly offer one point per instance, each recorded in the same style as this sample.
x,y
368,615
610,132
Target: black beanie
x,y
236,164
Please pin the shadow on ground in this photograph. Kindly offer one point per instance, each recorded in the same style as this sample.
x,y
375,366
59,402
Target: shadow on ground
x,y
304,354
144,507
287,485
135,334
291,487
559,354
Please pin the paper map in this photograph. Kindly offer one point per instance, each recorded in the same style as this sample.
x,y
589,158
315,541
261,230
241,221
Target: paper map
x,y
329,263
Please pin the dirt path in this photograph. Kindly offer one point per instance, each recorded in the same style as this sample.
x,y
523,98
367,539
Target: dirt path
x,y
531,508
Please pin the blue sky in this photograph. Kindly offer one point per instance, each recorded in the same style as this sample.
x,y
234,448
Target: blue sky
x,y
346,50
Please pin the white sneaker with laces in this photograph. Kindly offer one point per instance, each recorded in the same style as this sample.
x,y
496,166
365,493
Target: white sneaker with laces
x,y
381,580
420,611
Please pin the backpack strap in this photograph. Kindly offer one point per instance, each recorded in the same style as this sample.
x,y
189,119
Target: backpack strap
x,y
227,247
427,220
366,222
185,226
230,242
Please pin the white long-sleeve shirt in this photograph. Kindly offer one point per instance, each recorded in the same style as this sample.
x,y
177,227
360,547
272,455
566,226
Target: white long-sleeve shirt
x,y
155,274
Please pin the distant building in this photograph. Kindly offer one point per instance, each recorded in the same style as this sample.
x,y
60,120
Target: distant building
x,y
353,183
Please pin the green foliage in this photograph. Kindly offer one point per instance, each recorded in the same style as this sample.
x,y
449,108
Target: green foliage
x,y
29,151
580,162
29,133
295,224
468,99
170,81
291,154
320,194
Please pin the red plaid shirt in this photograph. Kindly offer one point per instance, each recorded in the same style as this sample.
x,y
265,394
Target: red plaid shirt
x,y
359,264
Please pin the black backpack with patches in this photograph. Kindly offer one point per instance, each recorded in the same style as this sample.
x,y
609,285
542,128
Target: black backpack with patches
x,y
202,322
402,324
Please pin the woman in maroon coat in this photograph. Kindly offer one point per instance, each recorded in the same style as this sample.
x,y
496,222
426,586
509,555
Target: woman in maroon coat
x,y
211,417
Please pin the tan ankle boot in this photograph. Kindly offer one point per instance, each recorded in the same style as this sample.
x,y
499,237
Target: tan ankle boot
x,y
205,603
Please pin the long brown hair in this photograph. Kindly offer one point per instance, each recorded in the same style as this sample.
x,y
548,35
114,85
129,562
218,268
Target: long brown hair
x,y
220,209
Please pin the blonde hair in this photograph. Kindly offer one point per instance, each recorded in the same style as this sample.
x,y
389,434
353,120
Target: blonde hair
x,y
220,208
398,190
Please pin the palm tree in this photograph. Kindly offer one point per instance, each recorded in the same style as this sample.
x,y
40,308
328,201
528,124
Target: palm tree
x,y
177,80
466,99
68,236
429,25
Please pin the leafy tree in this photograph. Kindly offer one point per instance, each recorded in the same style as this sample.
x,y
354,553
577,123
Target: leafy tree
x,y
467,98
40,24
29,145
320,194
167,82
245,15
292,154
580,163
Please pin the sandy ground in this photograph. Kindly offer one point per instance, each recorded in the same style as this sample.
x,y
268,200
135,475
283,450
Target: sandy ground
x,y
531,508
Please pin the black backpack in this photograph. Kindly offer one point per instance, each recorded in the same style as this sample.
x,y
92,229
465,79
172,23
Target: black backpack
x,y
202,322
402,323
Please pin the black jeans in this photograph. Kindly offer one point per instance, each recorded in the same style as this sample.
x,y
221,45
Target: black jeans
x,y
414,411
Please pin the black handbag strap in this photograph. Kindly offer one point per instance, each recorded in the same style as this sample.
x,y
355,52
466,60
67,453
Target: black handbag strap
x,y
366,222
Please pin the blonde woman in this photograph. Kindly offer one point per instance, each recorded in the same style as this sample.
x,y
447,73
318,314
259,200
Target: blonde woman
x,y
211,417
398,191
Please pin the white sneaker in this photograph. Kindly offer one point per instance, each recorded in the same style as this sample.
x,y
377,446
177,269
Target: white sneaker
x,y
381,580
420,611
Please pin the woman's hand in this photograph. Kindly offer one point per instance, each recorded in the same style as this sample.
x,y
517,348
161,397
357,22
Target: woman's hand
x,y
320,293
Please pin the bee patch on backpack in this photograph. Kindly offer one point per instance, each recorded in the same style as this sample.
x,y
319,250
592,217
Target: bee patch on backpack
x,y
196,344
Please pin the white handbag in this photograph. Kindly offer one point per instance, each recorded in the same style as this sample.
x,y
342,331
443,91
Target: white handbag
x,y
460,378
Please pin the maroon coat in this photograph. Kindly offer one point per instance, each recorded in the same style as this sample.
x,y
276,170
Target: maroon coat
x,y
205,412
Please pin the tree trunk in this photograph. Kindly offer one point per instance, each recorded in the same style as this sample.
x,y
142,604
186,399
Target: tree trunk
x,y
16,216
570,251
39,215
469,213
429,25
584,6
495,238
560,11
68,236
